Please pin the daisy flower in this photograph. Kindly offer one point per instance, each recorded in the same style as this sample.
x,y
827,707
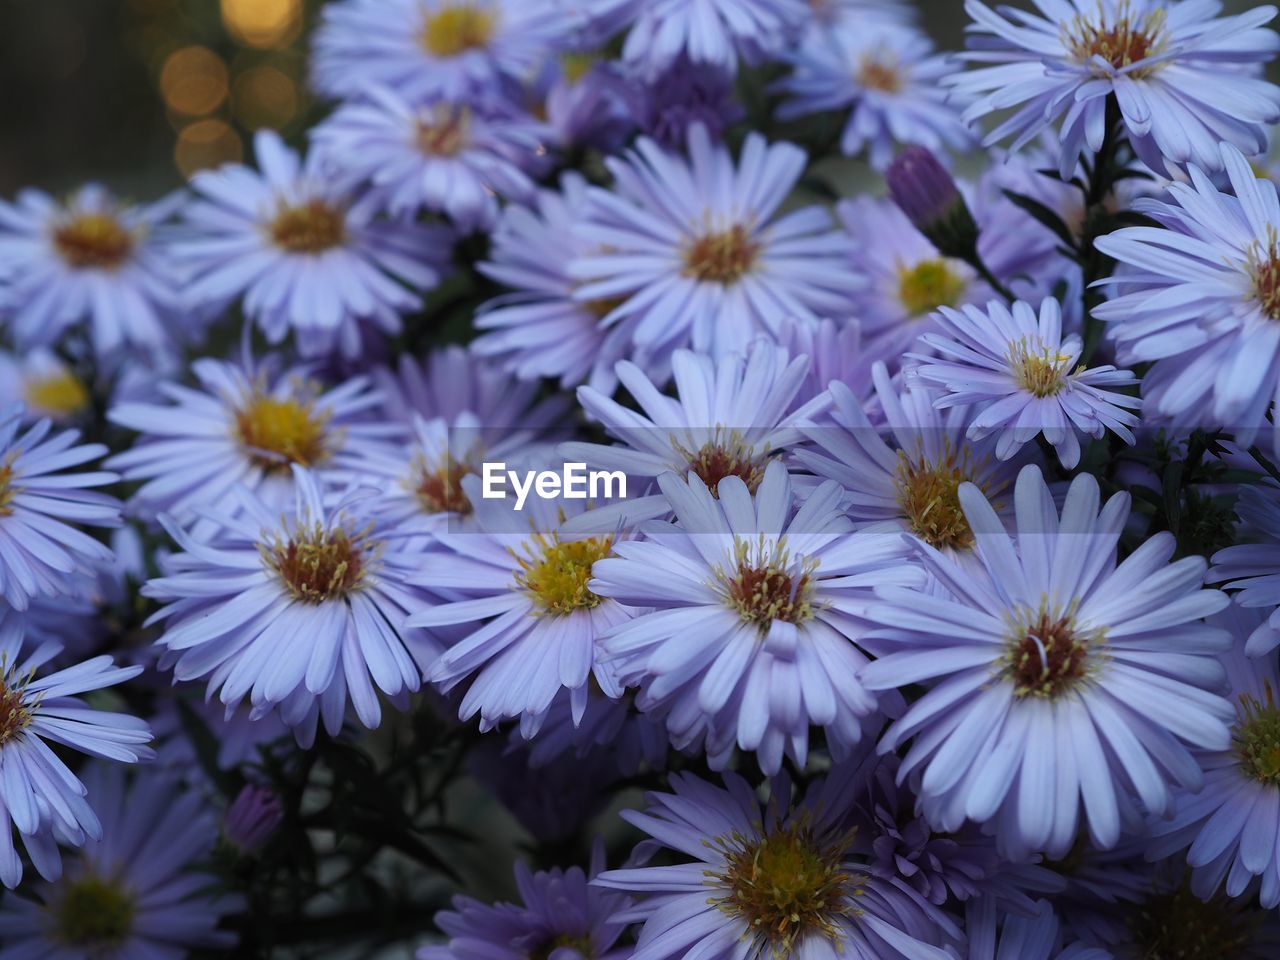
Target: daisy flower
x,y
1254,568
451,48
1230,829
562,914
1183,78
729,418
836,351
776,879
530,623
436,156
93,260
754,610
1021,377
303,253
539,328
139,891
243,424
885,75
40,549
694,252
1056,676
44,383
1201,300
906,472
300,612
717,33
41,801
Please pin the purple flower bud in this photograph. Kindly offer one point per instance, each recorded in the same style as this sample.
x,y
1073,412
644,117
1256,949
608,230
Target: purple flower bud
x,y
252,819
921,186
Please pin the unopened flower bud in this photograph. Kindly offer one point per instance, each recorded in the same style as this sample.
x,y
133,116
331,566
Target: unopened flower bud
x,y
252,819
923,189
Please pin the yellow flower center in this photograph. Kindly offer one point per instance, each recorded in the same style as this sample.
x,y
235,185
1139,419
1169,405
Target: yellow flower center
x,y
786,884
15,715
93,240
277,431
722,257
311,227
555,573
929,496
1124,42
1042,373
442,131
876,74
94,914
1257,738
1046,654
580,944
764,585
318,565
928,285
457,28
61,394
574,66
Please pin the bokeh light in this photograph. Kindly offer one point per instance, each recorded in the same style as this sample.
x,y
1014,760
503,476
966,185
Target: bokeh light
x,y
266,24
193,81
206,143
264,97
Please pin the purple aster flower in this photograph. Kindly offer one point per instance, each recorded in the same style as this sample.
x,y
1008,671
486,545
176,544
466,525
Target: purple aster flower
x,y
1201,300
40,549
694,251
1254,568
1021,378
1184,78
41,801
44,383
835,351
252,819
532,622
906,473
586,101
89,260
1230,829
685,94
717,33
437,156
136,892
885,75
246,424
562,915
728,418
755,609
305,255
461,49
300,612
772,879
1056,676
539,329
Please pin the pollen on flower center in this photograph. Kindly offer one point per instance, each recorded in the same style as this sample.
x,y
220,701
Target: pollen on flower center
x,y
438,487
311,227
443,131
278,432
875,74
62,393
928,285
582,945
786,885
728,456
457,28
1042,373
1122,43
94,914
722,257
1266,279
1256,739
1047,654
317,565
93,240
15,715
929,496
7,490
764,585
555,572
1180,924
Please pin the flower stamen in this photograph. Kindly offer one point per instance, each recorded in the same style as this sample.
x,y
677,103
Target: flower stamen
x,y
457,28
765,584
93,240
310,227
279,431
318,565
928,285
555,573
722,257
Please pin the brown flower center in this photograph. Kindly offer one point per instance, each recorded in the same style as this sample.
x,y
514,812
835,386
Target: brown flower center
x,y
439,487
15,715
722,257
7,490
1042,373
311,227
443,130
765,584
1047,654
1125,41
727,456
1266,279
875,74
456,28
318,565
929,496
93,240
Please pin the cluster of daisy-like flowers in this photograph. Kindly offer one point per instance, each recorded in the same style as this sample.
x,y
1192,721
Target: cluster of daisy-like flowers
x,y
894,594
